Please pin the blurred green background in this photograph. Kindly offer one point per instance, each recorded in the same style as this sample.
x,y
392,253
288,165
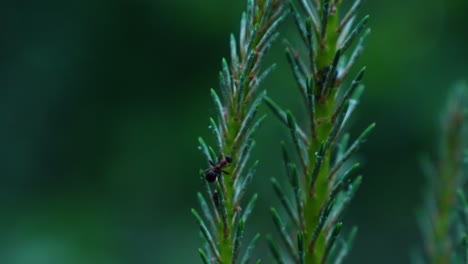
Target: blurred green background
x,y
101,103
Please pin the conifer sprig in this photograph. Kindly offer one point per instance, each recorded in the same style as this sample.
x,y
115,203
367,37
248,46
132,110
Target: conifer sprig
x,y
322,179
444,218
230,169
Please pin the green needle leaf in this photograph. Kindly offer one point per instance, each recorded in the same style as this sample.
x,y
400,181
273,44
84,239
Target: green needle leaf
x,y
227,75
271,30
311,46
311,13
213,154
287,162
298,20
234,56
249,133
319,157
284,200
331,74
297,194
298,71
355,55
257,81
463,207
219,136
203,256
311,108
274,250
334,235
284,234
249,208
253,36
324,213
300,246
343,180
250,248
349,93
349,14
250,13
276,109
220,108
237,240
342,201
225,90
206,211
300,147
338,124
242,34
356,145
246,126
205,149
325,13
243,159
206,233
239,190
347,247
342,146
349,40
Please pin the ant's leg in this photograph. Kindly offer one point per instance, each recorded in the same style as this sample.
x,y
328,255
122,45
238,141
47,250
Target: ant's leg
x,y
225,172
212,164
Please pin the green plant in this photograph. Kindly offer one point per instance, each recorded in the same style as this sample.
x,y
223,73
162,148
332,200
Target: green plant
x,y
236,122
444,231
324,181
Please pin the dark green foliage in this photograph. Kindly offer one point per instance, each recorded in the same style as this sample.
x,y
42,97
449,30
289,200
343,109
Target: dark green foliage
x,y
234,127
322,181
444,218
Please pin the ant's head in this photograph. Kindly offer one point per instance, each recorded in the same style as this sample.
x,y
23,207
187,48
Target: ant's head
x,y
210,176
228,159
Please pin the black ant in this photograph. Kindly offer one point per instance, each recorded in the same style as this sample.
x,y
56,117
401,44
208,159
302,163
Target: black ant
x,y
212,173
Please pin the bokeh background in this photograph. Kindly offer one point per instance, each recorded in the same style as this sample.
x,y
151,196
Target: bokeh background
x,y
101,103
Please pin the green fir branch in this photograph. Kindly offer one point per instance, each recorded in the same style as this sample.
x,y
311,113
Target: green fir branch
x,y
237,99
444,218
323,181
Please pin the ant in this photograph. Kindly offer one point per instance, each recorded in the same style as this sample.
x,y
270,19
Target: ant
x,y
212,173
